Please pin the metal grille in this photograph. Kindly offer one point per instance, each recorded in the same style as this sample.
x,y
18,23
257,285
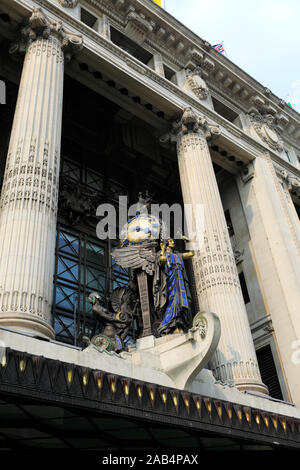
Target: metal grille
x,y
82,262
82,266
268,372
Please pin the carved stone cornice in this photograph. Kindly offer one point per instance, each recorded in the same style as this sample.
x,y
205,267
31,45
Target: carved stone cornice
x,y
189,123
68,3
39,26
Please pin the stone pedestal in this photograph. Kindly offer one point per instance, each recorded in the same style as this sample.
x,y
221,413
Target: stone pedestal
x,y
275,239
214,266
30,188
180,356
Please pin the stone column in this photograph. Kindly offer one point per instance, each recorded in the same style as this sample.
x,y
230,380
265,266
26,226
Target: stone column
x,y
30,188
217,281
275,247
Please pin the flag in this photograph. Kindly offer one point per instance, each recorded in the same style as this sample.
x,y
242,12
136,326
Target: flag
x,y
288,100
158,2
219,47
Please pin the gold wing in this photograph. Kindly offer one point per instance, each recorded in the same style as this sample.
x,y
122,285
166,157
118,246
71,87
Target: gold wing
x,y
136,257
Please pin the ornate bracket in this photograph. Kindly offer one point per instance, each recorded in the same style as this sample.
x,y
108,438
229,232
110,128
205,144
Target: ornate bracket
x,y
267,126
68,3
39,26
137,27
196,84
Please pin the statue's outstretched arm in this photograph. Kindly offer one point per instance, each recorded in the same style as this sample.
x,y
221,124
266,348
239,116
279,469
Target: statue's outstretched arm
x,y
106,315
162,258
187,254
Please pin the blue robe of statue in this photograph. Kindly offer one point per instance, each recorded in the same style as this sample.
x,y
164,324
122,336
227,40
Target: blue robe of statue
x,y
172,295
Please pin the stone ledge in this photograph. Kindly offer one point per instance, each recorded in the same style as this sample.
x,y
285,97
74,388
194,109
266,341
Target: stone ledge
x,y
204,383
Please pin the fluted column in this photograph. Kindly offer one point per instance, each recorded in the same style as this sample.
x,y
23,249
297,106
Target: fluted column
x,y
217,281
275,240
30,188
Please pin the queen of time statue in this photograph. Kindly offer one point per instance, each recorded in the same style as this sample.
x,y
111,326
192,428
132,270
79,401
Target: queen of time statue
x,y
134,318
158,303
169,289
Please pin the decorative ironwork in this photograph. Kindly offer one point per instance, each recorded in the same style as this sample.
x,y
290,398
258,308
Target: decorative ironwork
x,y
82,262
82,266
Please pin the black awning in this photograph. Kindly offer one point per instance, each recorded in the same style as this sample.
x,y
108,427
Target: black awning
x,y
47,404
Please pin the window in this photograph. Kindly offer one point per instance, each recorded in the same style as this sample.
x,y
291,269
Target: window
x,y
297,207
130,46
287,153
169,73
82,266
268,372
88,18
229,223
244,288
231,232
224,110
82,262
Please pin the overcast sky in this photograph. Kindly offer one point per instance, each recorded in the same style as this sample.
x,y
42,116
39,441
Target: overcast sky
x,y
260,36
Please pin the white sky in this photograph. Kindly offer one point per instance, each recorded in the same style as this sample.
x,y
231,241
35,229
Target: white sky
x,y
260,36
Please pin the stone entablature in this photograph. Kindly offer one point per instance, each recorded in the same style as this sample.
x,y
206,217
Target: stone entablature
x,y
178,45
161,86
182,47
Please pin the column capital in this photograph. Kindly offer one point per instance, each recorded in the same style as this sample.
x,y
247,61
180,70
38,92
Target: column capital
x,y
190,123
39,26
291,181
293,184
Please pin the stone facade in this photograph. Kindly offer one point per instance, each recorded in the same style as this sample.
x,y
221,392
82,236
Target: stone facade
x,y
165,74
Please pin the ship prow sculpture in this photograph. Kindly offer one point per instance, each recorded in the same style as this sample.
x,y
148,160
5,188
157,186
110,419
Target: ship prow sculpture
x,y
149,322
180,356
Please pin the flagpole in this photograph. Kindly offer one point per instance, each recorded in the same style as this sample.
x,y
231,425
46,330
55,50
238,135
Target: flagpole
x,y
225,53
